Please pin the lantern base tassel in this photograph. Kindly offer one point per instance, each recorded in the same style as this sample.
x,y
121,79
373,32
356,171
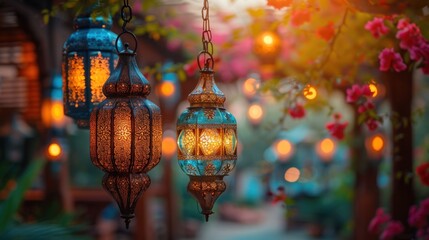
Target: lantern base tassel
x,y
206,189
126,189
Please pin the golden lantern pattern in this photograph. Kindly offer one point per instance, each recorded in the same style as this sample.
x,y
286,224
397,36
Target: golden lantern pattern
x,y
89,56
126,134
207,142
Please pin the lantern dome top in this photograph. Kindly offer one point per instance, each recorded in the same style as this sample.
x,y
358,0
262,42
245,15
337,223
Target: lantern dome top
x,y
206,93
126,80
86,21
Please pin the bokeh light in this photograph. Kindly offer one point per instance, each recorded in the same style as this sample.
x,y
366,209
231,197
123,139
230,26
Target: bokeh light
x,y
284,149
54,151
168,146
292,174
375,145
250,87
255,113
326,148
167,89
373,89
310,92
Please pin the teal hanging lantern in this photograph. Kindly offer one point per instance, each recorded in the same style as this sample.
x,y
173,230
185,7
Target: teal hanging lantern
x,y
89,56
206,132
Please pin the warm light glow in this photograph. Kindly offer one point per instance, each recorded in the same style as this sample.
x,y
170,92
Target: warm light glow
x,y
167,89
283,148
377,143
373,89
168,146
187,142
326,149
310,92
327,146
54,150
292,174
230,141
255,113
53,113
250,86
210,141
268,39
100,72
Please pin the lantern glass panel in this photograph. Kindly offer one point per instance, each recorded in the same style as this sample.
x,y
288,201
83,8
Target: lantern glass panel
x,y
210,141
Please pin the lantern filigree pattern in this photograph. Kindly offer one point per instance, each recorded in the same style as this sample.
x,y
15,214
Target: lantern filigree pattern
x,y
207,142
88,58
126,134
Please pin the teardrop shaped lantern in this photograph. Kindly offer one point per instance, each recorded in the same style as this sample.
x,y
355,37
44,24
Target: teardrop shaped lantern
x,y
206,134
126,132
89,56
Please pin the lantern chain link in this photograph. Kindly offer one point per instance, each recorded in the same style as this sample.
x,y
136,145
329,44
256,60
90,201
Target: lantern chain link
x,y
206,38
126,16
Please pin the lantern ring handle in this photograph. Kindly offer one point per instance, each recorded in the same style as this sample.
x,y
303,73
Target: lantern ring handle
x,y
208,63
126,44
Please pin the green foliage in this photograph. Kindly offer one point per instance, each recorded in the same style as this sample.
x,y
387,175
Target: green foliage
x,y
10,206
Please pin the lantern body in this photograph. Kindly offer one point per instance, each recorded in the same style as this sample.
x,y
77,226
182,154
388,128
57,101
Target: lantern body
x,y
207,142
89,56
126,134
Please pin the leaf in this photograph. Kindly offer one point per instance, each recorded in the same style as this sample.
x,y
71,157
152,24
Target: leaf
x,y
10,206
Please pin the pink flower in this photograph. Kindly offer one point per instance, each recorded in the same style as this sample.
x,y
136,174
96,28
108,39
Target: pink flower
x,y
372,124
417,217
297,111
402,23
393,228
409,35
389,58
336,128
377,27
379,219
356,92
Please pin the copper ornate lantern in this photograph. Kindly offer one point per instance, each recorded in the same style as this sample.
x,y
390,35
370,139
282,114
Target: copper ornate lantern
x,y
89,56
126,131
206,133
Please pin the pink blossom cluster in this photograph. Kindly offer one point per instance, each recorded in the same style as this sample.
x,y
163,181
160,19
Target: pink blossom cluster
x,y
336,128
418,218
410,39
361,97
391,228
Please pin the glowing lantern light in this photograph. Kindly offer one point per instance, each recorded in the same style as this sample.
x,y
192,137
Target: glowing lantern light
x,y
375,145
206,132
373,89
88,59
255,113
55,150
267,47
126,131
284,149
292,174
169,146
250,87
167,89
310,92
52,107
325,149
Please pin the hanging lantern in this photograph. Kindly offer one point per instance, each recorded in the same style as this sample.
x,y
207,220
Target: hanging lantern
x,y
89,56
126,131
206,133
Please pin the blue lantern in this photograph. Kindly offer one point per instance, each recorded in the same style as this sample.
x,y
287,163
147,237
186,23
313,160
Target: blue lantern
x,y
89,56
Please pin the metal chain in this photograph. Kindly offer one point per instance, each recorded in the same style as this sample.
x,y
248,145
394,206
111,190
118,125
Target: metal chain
x,y
206,38
126,15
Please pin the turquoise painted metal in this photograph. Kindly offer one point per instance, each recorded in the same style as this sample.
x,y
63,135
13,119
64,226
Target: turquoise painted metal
x,y
89,56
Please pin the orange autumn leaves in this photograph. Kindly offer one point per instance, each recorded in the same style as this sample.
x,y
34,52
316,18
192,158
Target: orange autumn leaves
x,y
299,17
